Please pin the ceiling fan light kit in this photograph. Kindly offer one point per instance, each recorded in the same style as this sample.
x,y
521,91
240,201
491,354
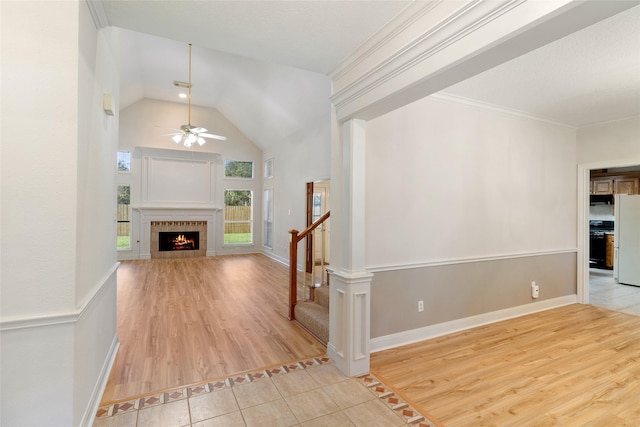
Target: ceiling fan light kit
x,y
190,134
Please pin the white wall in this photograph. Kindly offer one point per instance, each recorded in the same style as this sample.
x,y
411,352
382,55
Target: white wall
x,y
57,302
297,160
617,142
95,340
448,181
465,207
146,123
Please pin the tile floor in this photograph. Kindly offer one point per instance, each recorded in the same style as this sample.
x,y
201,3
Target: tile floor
x,y
605,292
310,393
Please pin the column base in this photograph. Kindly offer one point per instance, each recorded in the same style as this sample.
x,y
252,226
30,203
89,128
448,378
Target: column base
x,y
349,323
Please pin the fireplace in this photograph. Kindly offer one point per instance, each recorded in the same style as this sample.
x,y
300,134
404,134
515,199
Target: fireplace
x,y
178,241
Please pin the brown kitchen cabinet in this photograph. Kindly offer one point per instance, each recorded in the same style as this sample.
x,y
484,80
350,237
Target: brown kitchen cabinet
x,y
625,186
602,186
609,253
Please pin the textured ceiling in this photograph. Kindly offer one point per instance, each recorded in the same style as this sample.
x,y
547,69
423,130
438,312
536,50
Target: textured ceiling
x,y
311,35
266,101
587,77
264,64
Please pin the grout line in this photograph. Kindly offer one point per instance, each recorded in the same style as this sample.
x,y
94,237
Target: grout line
x,y
398,404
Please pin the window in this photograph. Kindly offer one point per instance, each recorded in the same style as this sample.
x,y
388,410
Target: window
x,y
268,218
317,206
238,217
268,168
124,217
124,161
235,169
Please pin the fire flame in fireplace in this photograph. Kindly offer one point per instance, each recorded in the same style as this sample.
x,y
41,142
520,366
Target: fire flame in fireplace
x,y
181,240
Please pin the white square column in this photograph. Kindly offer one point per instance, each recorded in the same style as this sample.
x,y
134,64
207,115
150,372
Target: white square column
x,y
349,308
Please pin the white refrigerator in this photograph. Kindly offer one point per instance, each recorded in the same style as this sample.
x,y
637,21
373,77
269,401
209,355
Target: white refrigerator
x,y
626,263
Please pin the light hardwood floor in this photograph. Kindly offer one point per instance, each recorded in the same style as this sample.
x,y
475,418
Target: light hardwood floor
x,y
188,321
577,365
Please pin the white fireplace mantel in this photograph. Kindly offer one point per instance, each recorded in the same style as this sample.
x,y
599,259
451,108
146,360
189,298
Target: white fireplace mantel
x,y
175,213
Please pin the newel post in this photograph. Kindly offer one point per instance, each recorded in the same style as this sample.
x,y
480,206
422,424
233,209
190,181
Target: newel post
x,y
293,272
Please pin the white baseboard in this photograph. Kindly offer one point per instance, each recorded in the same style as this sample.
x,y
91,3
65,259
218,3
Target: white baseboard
x,y
88,418
420,334
275,257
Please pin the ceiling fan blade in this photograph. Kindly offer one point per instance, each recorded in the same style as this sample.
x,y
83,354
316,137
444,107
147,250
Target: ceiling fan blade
x,y
198,130
208,135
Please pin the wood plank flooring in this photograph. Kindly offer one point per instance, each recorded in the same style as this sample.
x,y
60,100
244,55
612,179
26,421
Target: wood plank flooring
x,y
187,321
577,365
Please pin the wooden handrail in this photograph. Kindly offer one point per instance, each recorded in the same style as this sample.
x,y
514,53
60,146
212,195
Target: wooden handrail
x,y
313,226
296,236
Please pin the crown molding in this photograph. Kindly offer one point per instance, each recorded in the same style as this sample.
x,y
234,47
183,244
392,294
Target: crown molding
x,y
98,13
447,97
429,46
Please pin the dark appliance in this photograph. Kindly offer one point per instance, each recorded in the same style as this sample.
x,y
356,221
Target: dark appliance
x,y
600,199
598,231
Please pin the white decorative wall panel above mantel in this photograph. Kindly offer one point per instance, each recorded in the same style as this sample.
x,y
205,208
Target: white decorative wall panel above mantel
x,y
179,179
178,185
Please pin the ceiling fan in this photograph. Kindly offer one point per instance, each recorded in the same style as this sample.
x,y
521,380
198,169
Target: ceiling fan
x,y
189,134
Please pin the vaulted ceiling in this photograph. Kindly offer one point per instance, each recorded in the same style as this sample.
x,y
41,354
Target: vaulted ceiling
x,y
265,64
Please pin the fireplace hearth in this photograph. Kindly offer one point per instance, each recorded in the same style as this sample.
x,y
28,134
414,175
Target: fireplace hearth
x,y
178,241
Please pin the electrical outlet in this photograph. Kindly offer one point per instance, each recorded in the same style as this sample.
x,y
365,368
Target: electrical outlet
x,y
535,290
420,306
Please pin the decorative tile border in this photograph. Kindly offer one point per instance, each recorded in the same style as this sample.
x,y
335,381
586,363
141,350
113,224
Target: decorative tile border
x,y
410,415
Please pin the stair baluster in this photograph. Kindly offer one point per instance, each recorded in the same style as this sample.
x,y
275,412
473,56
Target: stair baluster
x,y
295,238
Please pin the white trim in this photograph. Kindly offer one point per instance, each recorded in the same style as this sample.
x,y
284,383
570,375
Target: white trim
x,y
39,321
428,332
98,289
58,318
582,234
460,23
584,169
401,22
276,258
609,122
393,267
446,97
98,13
89,415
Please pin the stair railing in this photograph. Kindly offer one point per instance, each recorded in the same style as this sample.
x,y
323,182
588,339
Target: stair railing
x,y
295,238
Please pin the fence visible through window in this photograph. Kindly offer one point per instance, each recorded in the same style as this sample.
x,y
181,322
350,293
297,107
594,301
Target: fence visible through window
x,y
123,217
238,217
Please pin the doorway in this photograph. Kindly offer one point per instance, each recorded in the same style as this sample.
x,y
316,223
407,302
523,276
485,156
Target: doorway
x,y
599,285
318,203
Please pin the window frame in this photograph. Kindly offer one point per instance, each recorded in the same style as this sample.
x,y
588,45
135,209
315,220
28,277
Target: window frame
x,y
124,171
268,168
267,218
225,221
253,169
119,221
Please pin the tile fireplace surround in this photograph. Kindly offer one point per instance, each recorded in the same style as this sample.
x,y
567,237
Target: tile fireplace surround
x,y
178,226
153,220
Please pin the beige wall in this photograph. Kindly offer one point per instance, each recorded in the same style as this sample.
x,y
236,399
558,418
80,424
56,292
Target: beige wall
x,y
58,294
465,208
617,142
458,291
